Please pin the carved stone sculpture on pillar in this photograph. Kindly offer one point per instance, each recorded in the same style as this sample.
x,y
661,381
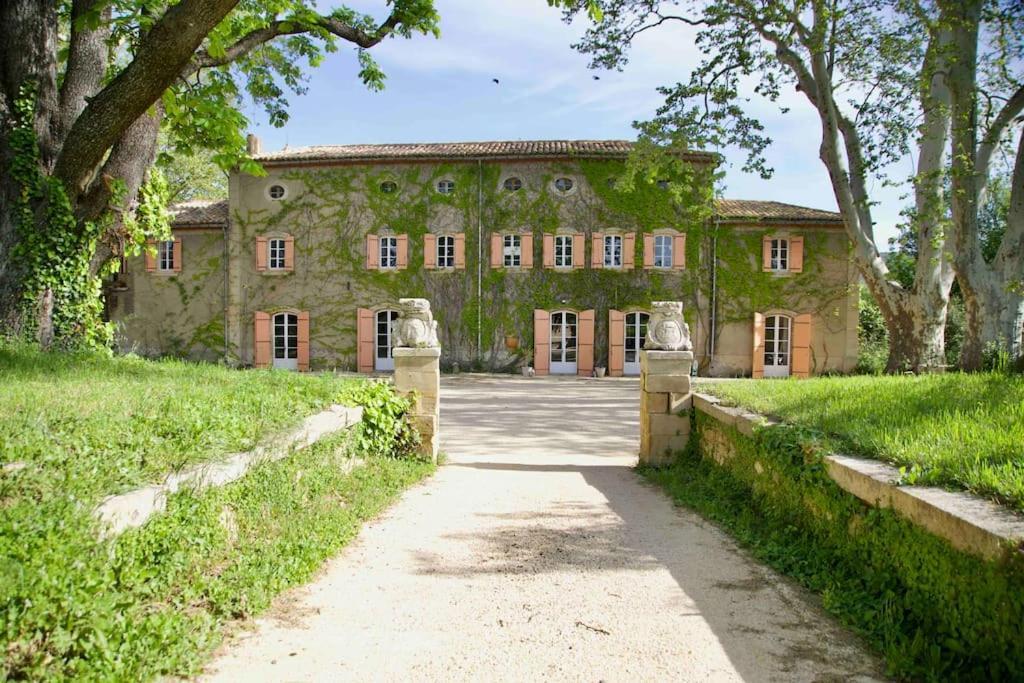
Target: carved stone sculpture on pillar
x,y
666,330
665,397
417,356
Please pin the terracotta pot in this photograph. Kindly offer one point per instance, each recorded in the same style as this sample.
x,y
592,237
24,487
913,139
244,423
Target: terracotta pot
x,y
511,342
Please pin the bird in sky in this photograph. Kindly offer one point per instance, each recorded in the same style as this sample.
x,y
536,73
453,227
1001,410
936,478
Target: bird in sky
x,y
496,80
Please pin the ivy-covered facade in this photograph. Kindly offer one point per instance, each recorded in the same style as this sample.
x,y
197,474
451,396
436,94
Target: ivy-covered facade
x,y
531,253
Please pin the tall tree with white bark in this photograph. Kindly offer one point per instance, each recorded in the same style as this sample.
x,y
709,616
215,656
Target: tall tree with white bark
x,y
880,75
85,87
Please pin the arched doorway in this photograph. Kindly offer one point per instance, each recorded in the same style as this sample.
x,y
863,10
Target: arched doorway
x,y
286,341
563,343
383,361
636,333
777,329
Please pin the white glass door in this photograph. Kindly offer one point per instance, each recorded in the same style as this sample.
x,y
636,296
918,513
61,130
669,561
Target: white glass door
x,y
383,361
286,341
563,343
776,346
636,333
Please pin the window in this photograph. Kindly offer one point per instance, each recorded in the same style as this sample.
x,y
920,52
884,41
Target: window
x,y
780,255
512,251
389,187
776,346
662,184
563,184
613,251
513,184
563,251
276,192
286,336
445,251
662,251
165,255
275,254
446,186
388,252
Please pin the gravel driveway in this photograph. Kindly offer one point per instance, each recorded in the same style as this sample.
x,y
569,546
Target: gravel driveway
x,y
536,553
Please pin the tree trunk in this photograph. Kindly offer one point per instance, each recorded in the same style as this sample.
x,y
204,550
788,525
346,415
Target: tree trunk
x,y
995,320
916,326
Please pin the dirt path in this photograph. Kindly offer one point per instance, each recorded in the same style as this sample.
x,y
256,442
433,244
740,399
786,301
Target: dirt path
x,y
537,553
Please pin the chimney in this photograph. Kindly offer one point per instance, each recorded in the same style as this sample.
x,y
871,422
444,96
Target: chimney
x,y
252,144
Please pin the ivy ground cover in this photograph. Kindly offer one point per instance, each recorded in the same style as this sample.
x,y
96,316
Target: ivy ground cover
x,y
154,601
961,431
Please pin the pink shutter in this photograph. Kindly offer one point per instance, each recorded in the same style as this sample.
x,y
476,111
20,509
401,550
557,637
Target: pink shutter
x,y
177,255
261,340
460,250
496,255
616,343
597,250
757,364
801,355
303,341
289,253
261,254
548,252
578,247
648,251
796,254
541,342
372,252
526,250
150,255
766,254
402,242
628,250
429,252
364,340
679,251
585,343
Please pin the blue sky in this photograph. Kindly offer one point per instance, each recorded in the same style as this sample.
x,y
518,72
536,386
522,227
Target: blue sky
x,y
442,91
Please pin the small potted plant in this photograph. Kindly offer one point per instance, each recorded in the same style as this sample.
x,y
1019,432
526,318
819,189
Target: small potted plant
x,y
599,371
525,356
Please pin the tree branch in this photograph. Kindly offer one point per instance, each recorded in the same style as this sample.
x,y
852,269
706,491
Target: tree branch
x,y
1011,109
86,65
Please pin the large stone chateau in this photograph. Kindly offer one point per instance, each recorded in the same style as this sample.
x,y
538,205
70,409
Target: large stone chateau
x,y
530,252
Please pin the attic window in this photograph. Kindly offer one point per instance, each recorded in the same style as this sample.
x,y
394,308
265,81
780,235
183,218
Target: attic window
x,y
563,184
389,187
276,192
663,184
446,186
513,184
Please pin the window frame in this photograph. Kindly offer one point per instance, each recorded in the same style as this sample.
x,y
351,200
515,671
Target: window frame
x,y
271,255
388,183
566,252
564,179
445,252
445,186
510,180
165,256
387,252
270,192
778,261
513,258
609,257
666,255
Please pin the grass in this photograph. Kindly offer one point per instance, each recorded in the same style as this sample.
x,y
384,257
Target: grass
x,y
156,600
960,431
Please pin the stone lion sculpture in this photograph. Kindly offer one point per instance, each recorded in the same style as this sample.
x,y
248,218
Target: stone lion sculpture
x,y
415,327
666,329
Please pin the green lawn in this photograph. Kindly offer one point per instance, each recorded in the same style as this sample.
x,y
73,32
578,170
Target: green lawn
x,y
954,430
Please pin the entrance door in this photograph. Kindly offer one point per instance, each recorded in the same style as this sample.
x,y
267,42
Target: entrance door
x,y
563,343
383,361
776,346
636,333
286,341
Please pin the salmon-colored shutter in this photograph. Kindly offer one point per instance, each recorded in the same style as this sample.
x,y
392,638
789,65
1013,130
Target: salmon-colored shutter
x,y
597,250
364,340
679,251
150,256
303,341
372,252
176,267
548,251
578,247
402,243
585,343
616,343
541,342
261,340
496,255
429,252
526,251
648,250
289,253
758,360
261,254
628,250
796,254
766,254
802,346
460,250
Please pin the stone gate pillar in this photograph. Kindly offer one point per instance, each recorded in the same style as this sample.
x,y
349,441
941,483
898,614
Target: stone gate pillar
x,y
665,396
417,357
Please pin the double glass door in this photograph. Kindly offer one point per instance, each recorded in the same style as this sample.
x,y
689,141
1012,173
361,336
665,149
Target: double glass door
x,y
563,343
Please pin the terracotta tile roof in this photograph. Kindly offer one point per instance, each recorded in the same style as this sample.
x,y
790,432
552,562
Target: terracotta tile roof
x,y
199,212
510,149
756,211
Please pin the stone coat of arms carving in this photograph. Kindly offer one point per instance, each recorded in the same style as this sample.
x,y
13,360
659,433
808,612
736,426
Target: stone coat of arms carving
x,y
415,327
666,329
